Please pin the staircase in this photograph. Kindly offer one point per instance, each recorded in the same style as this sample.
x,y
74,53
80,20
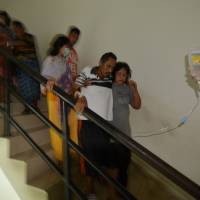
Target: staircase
x,y
32,179
27,172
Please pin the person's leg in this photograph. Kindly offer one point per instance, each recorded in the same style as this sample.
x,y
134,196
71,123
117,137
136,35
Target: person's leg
x,y
90,185
26,111
125,158
113,194
87,140
35,103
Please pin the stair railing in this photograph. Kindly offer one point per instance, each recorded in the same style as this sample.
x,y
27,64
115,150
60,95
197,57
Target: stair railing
x,y
67,102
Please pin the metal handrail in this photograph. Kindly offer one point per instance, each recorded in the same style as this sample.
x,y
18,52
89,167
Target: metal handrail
x,y
42,154
65,176
171,173
44,119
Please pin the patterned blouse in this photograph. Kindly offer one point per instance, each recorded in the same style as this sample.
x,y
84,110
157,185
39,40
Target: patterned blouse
x,y
25,47
72,61
55,67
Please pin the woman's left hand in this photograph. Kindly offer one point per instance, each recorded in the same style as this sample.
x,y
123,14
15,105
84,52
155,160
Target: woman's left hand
x,y
50,84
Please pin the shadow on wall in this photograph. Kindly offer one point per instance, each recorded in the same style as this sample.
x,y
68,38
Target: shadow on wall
x,y
151,118
155,117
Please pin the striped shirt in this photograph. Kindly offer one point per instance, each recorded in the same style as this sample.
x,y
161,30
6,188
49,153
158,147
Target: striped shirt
x,y
98,94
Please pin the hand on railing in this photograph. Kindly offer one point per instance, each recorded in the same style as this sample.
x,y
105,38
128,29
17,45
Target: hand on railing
x,y
43,90
49,86
80,104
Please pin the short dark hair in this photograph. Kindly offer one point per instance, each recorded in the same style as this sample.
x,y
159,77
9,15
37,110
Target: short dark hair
x,y
58,43
6,17
74,29
18,24
105,57
119,66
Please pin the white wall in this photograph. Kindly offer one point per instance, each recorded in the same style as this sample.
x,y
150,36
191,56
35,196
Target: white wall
x,y
154,38
7,191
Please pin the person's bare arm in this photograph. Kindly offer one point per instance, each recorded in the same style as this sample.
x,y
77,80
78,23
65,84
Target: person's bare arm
x,y
136,99
49,86
80,104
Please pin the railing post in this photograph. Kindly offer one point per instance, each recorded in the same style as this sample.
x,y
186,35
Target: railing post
x,y
66,163
7,79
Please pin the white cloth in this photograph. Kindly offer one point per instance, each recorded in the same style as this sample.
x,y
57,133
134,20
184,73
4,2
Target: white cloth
x,y
98,94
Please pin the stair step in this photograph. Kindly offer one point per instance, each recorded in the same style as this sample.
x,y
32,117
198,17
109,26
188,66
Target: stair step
x,y
36,166
4,148
51,183
26,121
46,180
40,135
16,173
16,107
6,187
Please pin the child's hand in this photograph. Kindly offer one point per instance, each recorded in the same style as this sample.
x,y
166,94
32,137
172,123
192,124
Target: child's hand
x,y
132,84
136,100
